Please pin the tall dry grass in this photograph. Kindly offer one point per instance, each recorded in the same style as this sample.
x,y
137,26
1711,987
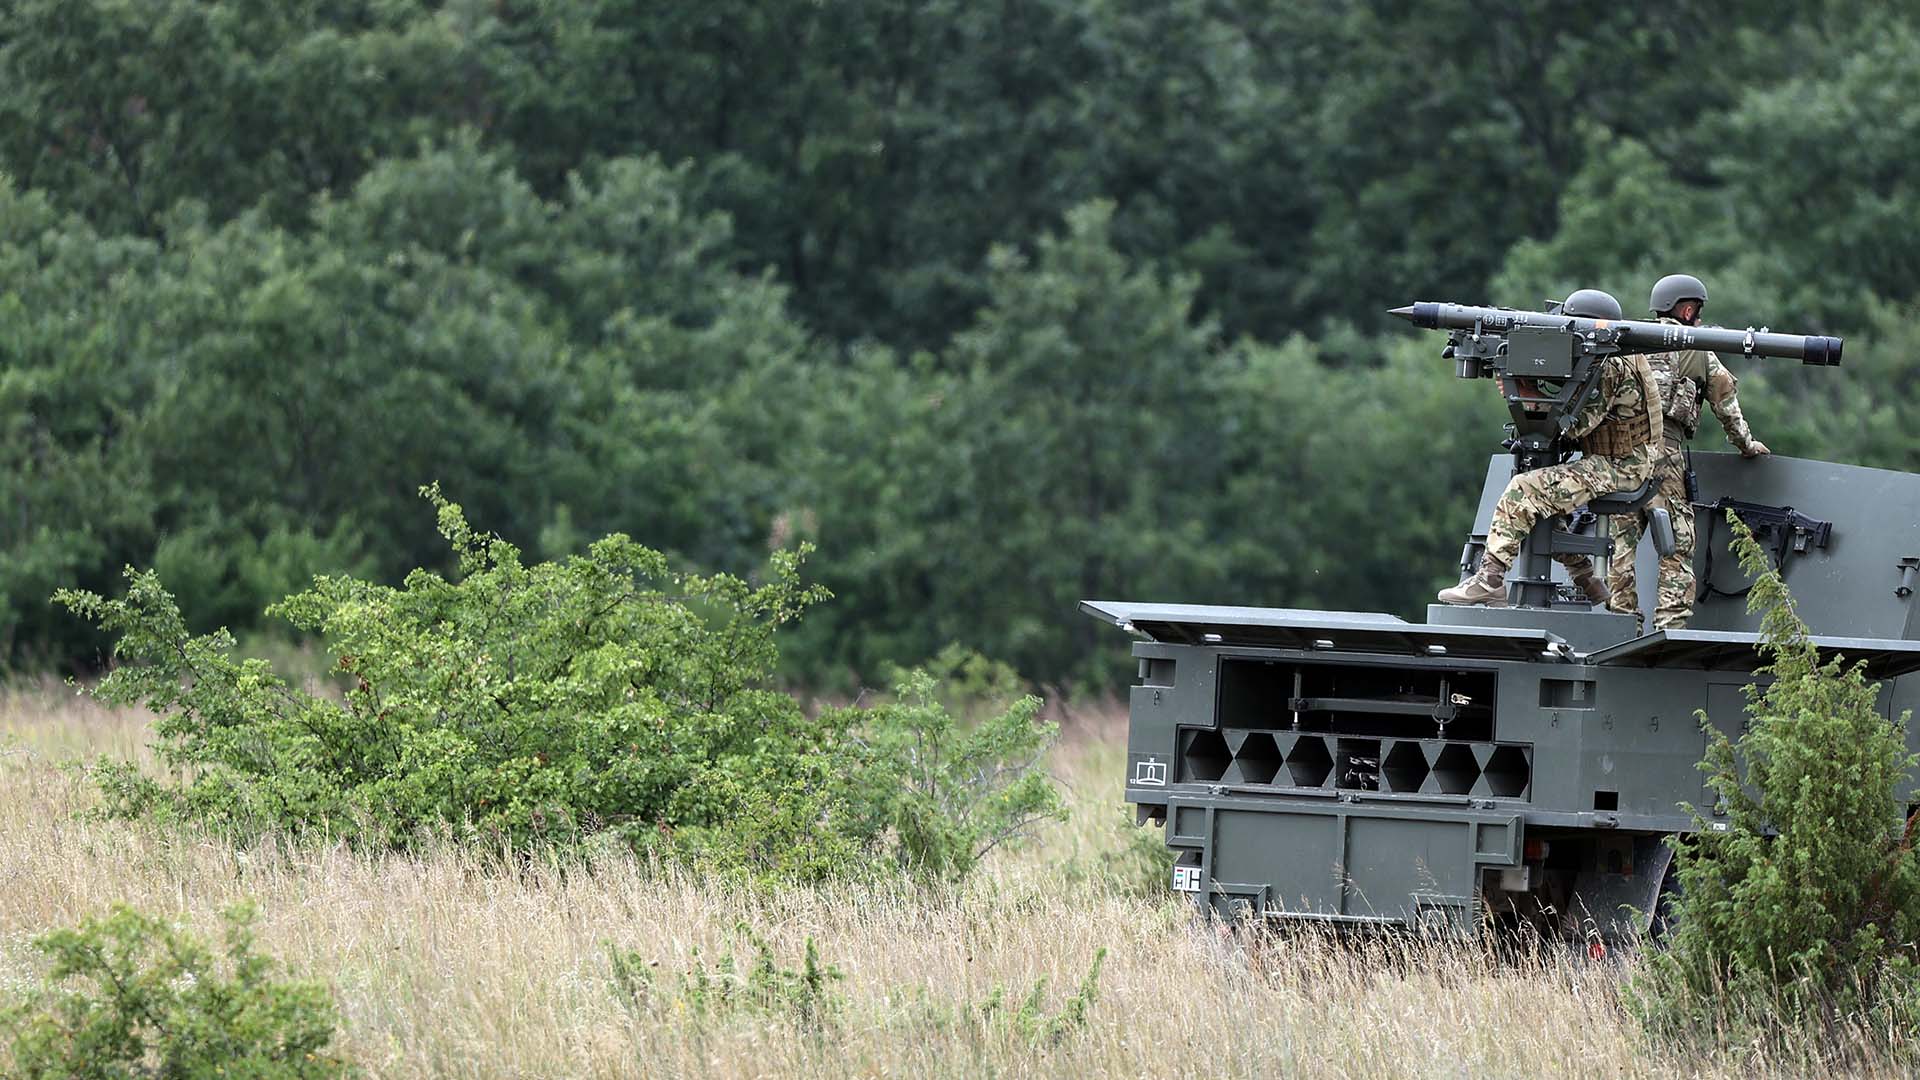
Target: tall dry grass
x,y
451,964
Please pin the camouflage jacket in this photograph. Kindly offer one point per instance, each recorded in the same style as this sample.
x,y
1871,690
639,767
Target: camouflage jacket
x,y
1622,414
1684,377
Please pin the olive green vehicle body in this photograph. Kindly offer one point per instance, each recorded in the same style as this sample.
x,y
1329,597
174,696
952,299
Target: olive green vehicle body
x,y
1491,762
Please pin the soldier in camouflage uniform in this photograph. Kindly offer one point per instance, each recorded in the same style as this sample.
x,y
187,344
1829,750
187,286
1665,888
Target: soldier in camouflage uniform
x,y
1619,433
1684,378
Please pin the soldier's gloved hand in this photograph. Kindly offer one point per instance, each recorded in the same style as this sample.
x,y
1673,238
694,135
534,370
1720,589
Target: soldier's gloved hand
x,y
1754,448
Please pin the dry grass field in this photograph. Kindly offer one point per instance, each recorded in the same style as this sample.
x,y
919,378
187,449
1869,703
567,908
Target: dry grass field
x,y
447,964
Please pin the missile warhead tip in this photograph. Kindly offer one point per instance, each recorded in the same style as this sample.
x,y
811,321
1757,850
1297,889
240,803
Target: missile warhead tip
x,y
1404,312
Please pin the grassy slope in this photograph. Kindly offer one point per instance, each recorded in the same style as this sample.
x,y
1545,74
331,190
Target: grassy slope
x,y
445,966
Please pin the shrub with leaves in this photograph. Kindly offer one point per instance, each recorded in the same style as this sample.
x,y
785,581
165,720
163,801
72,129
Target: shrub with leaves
x,y
128,995
520,704
1029,1017
1801,905
805,995
1124,859
951,792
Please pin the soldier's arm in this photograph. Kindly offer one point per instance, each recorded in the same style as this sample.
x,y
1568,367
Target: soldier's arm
x,y
1724,398
1611,387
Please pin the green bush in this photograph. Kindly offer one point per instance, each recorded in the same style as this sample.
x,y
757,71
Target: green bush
x,y
1125,859
804,995
518,704
130,996
1800,905
1030,1019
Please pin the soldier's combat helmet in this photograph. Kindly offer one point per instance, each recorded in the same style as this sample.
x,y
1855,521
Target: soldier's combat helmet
x,y
1672,289
1591,304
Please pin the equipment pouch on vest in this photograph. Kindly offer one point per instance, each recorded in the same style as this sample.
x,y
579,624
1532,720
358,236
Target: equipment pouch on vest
x,y
1683,406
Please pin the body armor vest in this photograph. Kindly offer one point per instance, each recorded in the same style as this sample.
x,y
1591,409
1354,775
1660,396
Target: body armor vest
x,y
1617,435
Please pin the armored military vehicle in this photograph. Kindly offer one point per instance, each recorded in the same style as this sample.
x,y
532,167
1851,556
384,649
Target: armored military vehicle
x,y
1521,763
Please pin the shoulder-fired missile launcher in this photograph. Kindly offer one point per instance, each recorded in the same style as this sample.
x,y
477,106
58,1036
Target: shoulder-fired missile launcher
x,y
1523,763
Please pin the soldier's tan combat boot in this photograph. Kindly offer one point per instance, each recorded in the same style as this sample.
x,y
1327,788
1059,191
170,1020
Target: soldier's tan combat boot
x,y
1488,586
1590,583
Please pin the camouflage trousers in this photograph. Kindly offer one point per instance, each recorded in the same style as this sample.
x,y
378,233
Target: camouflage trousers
x,y
1675,604
1560,489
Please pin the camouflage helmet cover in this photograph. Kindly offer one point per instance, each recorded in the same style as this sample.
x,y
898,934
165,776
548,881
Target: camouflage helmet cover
x,y
1672,289
1591,304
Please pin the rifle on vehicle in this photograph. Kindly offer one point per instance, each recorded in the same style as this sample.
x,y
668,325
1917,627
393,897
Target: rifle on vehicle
x,y
1781,530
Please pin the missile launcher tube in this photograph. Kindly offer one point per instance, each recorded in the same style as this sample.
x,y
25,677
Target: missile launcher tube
x,y
1633,336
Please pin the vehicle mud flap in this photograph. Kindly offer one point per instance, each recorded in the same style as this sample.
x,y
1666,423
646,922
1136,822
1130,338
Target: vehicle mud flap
x,y
1613,899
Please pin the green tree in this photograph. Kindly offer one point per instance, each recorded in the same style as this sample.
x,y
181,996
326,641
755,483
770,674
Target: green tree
x,y
1349,485
75,500
120,110
1625,220
1799,899
1828,220
248,405
1054,454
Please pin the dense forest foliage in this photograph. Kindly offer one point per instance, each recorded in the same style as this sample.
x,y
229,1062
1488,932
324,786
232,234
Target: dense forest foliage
x,y
1002,305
